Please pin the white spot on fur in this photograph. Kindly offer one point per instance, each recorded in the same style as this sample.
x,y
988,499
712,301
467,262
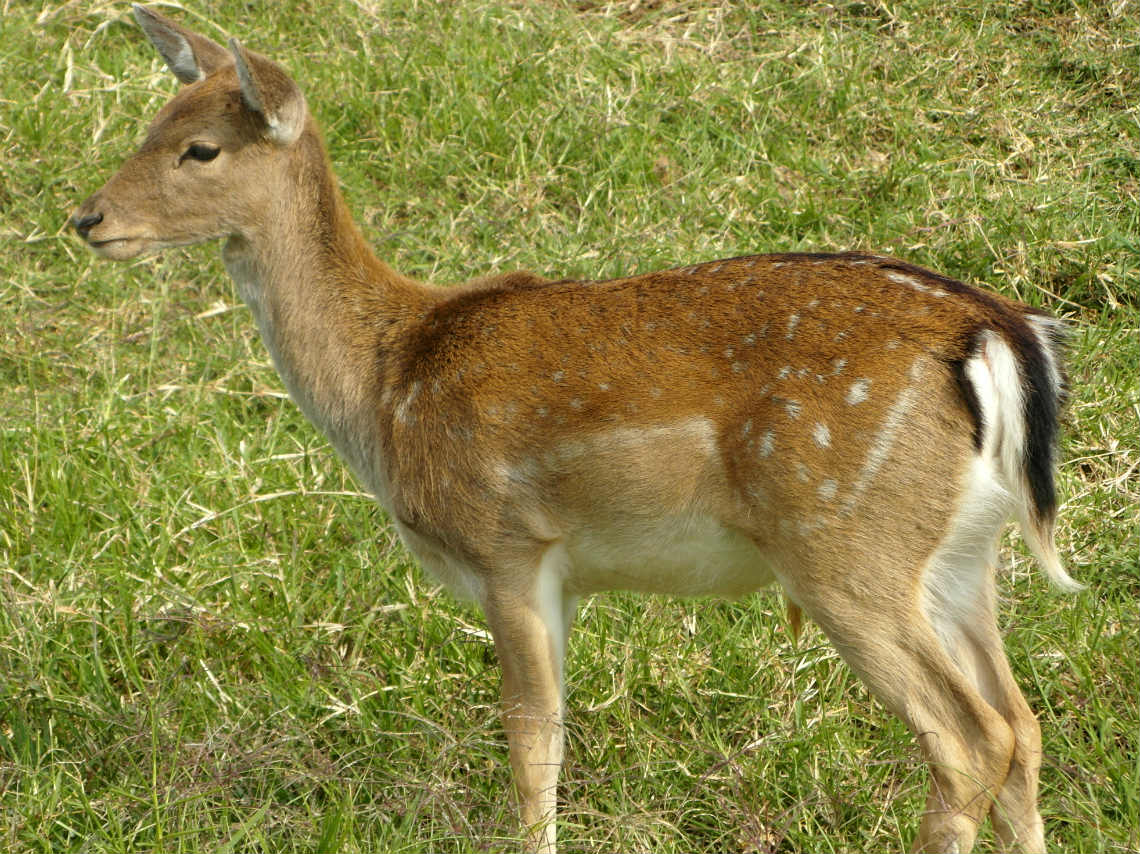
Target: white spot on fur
x,y
558,376
806,529
858,391
827,489
403,408
793,408
821,435
885,439
904,279
793,322
767,444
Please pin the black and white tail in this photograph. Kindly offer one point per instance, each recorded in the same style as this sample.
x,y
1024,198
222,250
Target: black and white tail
x,y
1017,381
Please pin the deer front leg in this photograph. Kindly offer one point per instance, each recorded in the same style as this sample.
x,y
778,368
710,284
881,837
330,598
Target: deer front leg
x,y
530,635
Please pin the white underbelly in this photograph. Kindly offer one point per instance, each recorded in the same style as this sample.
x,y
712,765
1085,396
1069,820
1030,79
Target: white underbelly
x,y
694,556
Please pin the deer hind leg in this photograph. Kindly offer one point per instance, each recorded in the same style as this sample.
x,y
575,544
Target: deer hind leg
x,y
894,648
978,647
957,594
530,628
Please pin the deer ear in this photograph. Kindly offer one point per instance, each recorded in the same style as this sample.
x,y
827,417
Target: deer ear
x,y
268,90
190,56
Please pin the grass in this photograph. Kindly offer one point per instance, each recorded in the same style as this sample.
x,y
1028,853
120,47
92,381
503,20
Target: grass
x,y
210,640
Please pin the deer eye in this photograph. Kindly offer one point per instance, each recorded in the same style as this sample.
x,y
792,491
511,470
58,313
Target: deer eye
x,y
200,151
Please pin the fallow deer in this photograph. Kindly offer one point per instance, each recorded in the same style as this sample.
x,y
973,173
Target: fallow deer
x,y
852,427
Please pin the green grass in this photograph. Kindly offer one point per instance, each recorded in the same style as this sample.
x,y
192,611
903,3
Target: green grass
x,y
210,640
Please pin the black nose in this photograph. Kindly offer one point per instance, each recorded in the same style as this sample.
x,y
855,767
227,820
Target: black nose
x,y
83,223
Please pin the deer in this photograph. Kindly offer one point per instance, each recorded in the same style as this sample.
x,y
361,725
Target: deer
x,y
851,427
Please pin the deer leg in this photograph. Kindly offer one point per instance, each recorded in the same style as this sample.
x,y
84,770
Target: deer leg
x,y
895,650
1016,819
530,635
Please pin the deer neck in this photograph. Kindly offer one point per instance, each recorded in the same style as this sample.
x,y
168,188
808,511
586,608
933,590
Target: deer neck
x,y
326,307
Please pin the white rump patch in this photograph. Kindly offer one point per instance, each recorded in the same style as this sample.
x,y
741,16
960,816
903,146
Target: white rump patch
x,y
996,378
954,579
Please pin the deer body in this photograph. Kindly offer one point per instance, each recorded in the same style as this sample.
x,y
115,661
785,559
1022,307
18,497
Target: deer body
x,y
852,427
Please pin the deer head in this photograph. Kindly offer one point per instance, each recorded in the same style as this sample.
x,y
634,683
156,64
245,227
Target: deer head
x,y
212,157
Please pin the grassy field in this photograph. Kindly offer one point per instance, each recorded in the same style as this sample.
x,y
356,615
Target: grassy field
x,y
210,640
